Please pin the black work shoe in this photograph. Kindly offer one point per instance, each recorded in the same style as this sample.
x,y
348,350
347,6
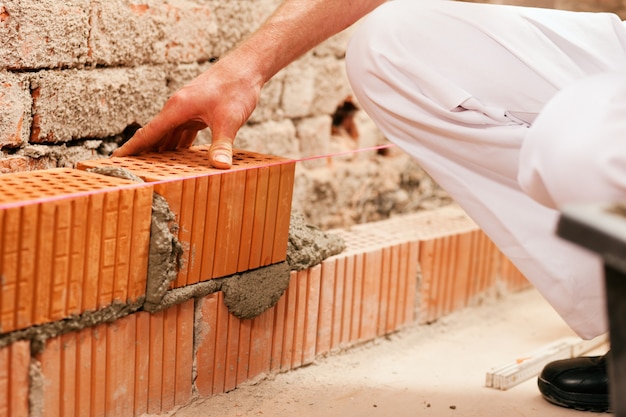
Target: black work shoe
x,y
578,383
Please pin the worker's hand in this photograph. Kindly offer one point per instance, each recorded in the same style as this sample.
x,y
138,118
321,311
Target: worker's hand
x,y
222,99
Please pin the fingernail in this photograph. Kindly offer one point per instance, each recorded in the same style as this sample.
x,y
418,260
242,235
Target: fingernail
x,y
225,159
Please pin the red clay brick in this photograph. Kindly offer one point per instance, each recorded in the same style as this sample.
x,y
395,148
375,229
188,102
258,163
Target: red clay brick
x,y
84,348
313,280
42,299
184,352
348,315
14,379
462,278
288,351
210,231
248,220
385,302
448,270
277,336
99,369
232,353
135,364
205,354
326,306
339,303
163,359
68,375
77,256
168,358
262,337
426,261
123,246
155,373
411,286
245,354
235,238
283,211
142,363
139,248
120,367
405,266
61,260
196,245
267,254
61,249
371,274
186,219
260,206
18,163
10,268
221,347
229,226
299,313
51,367
357,298
93,252
395,319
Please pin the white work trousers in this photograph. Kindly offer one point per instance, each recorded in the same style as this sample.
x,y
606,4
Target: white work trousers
x,y
514,111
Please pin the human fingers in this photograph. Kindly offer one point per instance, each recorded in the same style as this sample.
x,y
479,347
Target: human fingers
x,y
159,132
187,137
180,138
143,140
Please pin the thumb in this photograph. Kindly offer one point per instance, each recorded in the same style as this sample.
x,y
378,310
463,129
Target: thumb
x,y
221,151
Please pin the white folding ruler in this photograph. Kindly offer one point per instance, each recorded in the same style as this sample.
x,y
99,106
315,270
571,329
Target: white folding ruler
x,y
530,365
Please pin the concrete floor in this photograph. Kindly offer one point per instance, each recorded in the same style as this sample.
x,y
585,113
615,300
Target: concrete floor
x,y
436,370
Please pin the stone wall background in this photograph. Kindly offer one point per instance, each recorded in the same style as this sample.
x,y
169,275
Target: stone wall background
x,y
78,77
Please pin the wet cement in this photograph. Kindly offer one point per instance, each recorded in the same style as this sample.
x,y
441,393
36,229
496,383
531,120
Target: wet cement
x,y
308,245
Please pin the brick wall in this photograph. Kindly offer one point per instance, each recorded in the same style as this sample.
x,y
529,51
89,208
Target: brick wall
x,y
76,251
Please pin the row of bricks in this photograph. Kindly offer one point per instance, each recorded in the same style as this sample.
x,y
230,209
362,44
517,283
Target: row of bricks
x,y
365,292
73,33
86,245
144,363
70,255
459,264
459,270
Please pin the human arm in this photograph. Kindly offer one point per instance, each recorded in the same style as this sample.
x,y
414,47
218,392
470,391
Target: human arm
x,y
223,97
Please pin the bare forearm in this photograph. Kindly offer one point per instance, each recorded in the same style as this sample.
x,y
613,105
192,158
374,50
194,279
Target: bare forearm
x,y
294,28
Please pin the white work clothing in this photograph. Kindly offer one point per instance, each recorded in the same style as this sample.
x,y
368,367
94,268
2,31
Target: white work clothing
x,y
514,111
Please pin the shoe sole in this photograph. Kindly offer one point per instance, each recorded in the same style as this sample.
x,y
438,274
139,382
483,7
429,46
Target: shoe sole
x,y
581,402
